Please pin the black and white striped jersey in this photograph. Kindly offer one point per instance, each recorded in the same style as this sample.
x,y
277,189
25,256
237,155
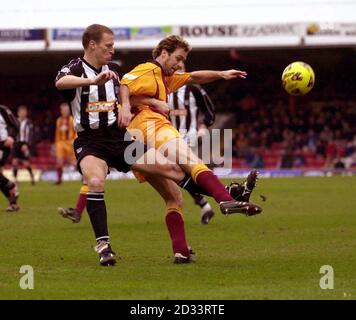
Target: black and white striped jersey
x,y
93,106
26,131
186,104
9,125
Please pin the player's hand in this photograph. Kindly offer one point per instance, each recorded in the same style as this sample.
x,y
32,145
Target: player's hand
x,y
124,117
104,77
233,74
9,142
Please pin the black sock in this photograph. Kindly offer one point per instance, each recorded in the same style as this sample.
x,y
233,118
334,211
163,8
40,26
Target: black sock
x,y
30,172
14,171
5,185
97,213
188,184
199,199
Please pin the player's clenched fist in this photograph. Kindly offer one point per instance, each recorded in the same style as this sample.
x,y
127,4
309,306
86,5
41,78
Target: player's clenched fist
x,y
104,77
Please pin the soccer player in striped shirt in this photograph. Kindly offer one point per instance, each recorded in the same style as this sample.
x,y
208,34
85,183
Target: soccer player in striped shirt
x,y
9,127
21,151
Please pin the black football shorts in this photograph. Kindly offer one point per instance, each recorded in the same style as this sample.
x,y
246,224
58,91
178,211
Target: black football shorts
x,y
110,145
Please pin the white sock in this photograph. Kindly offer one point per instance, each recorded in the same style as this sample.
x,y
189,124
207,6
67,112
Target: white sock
x,y
206,208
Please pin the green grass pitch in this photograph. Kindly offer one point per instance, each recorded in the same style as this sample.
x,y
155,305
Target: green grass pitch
x,y
306,223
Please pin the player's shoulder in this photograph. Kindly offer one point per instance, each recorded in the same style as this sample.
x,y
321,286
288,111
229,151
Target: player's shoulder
x,y
145,67
73,64
139,71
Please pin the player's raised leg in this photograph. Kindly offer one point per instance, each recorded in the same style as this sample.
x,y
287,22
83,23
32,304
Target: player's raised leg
x,y
178,151
154,163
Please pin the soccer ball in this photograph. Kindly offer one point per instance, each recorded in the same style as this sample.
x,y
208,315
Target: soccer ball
x,y
298,78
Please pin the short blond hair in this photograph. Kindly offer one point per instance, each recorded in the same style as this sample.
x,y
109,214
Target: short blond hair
x,y
170,44
94,32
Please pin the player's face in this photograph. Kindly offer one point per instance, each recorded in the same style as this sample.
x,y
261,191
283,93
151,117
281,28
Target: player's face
x,y
105,49
65,112
175,61
22,113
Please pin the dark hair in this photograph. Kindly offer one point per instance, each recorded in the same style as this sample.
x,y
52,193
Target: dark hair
x,y
94,32
170,43
22,106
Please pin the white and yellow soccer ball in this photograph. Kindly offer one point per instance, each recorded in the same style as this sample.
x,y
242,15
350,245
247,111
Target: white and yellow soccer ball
x,y
298,78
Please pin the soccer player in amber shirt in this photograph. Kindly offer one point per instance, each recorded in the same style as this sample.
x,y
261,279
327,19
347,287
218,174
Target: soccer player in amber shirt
x,y
65,135
151,83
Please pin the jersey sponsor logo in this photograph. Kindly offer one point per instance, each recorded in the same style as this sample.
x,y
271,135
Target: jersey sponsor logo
x,y
178,112
101,106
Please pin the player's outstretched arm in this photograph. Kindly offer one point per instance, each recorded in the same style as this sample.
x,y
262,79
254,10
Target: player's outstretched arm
x,y
73,82
206,76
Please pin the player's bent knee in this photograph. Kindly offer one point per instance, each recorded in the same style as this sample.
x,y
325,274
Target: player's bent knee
x,y
172,171
177,173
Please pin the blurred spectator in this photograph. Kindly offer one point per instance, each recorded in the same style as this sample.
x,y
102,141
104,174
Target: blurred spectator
x,y
338,164
287,160
330,154
298,159
255,158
